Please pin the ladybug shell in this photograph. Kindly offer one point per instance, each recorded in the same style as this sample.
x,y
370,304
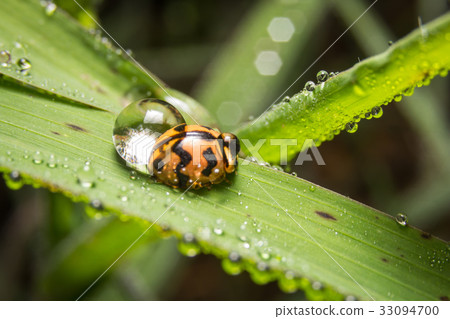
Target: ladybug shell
x,y
188,156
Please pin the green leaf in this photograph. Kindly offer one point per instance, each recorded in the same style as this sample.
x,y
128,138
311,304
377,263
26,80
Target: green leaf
x,y
344,100
77,64
271,224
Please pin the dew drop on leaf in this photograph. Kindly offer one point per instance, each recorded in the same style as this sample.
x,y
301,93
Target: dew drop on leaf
x,y
309,86
85,176
137,128
351,127
50,8
188,245
37,158
5,58
377,112
401,219
13,180
51,162
322,76
24,65
398,98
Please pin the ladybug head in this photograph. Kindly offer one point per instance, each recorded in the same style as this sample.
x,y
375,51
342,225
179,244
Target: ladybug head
x,y
231,148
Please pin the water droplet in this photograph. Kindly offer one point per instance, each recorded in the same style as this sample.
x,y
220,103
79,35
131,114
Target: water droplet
x,y
239,193
309,86
312,188
351,127
37,158
377,112
50,8
409,91
24,65
96,204
234,257
294,174
398,98
390,42
5,58
232,265
322,76
65,163
218,231
401,219
287,283
85,176
13,180
51,163
133,175
15,176
137,128
188,245
317,285
286,99
264,255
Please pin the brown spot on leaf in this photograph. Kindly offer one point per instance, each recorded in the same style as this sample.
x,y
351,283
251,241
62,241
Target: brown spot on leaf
x,y
425,235
444,298
56,133
384,260
75,127
325,215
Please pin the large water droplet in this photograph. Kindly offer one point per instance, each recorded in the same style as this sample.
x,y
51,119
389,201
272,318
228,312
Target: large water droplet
x,y
138,127
401,219
322,76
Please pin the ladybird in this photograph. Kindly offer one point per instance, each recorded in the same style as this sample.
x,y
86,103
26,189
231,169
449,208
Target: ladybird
x,y
193,156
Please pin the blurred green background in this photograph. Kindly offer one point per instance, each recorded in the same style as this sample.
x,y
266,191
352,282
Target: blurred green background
x,y
207,49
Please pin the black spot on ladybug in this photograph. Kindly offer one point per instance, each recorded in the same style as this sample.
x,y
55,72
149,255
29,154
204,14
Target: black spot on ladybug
x,y
444,298
158,164
185,157
425,235
384,260
56,133
182,179
208,154
75,127
180,128
325,215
